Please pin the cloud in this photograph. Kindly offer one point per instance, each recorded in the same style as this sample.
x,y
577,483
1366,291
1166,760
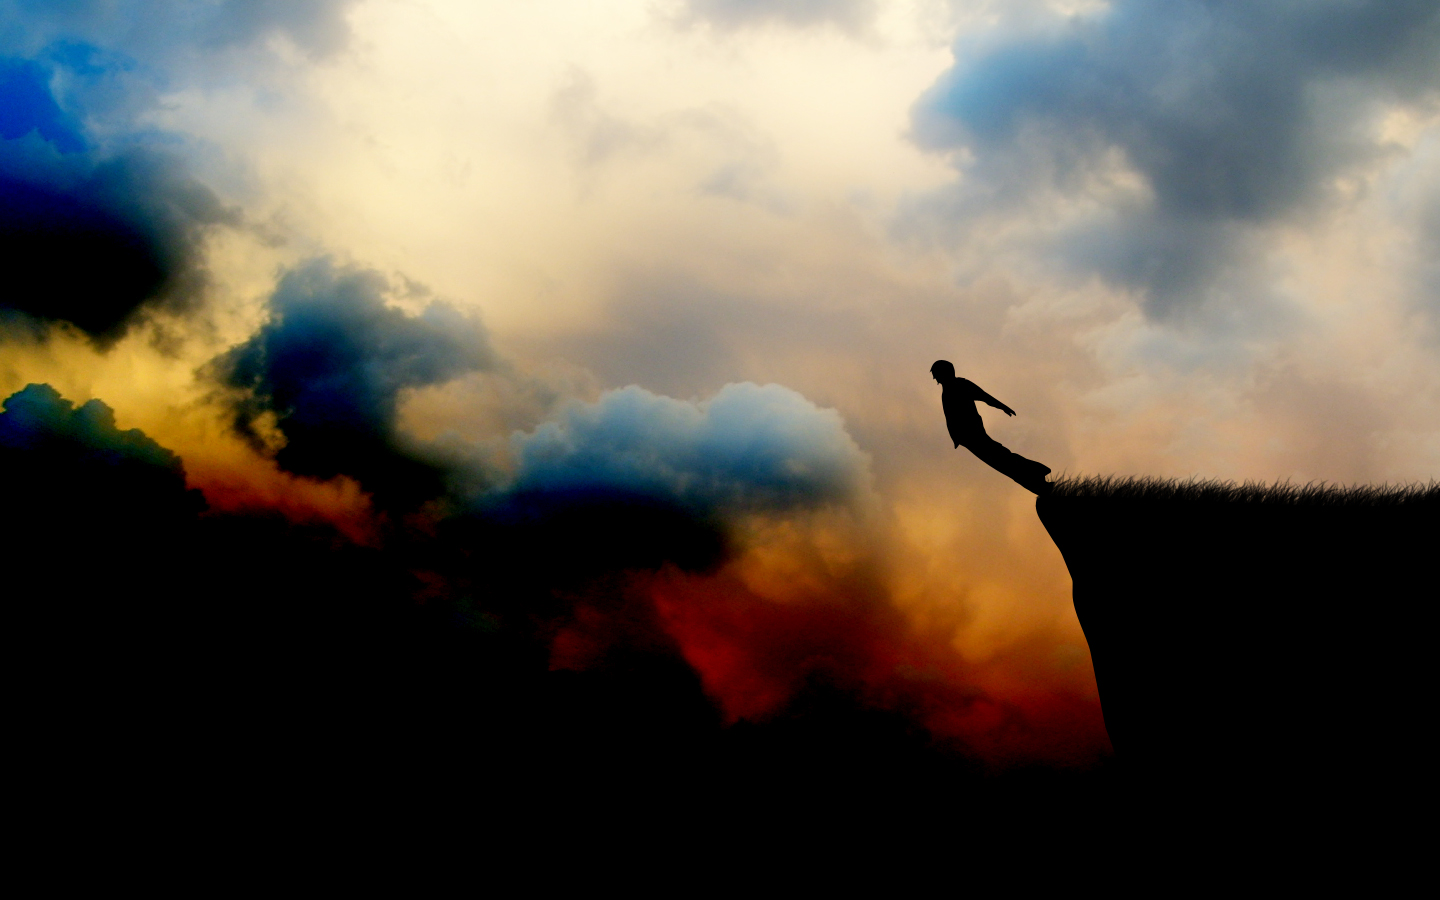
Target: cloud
x,y
747,449
730,532
1428,256
90,236
95,532
100,221
29,106
732,15
94,242
57,459
329,367
116,64
638,481
1232,115
166,31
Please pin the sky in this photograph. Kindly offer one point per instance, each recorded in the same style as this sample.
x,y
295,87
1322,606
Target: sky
x,y
379,266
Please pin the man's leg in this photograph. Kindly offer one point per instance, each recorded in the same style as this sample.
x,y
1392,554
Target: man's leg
x,y
1027,473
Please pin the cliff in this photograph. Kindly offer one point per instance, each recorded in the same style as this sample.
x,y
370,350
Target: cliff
x,y
1265,641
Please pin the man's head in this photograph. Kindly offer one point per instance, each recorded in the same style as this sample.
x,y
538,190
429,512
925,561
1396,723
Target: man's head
x,y
942,371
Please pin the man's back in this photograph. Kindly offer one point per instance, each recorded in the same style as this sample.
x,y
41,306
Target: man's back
x,y
961,417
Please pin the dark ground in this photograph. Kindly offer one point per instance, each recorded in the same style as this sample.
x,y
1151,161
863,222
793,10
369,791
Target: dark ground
x,y
1263,653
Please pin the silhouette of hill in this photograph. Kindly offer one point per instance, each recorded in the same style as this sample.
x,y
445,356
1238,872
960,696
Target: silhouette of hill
x,y
1260,647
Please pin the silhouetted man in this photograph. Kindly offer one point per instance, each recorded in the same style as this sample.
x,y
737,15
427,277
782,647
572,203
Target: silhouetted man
x,y
958,398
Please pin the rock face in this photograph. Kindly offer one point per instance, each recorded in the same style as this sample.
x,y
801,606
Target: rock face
x,y
1265,642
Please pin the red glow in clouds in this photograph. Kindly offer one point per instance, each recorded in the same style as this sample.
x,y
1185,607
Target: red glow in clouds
x,y
753,655
260,487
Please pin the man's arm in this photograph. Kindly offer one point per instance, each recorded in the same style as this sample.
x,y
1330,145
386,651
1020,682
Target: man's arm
x,y
991,401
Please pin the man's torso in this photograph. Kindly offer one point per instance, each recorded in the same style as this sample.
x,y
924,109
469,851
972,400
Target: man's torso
x,y
961,417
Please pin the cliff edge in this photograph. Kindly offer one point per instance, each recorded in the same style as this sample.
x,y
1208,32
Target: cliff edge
x,y
1271,640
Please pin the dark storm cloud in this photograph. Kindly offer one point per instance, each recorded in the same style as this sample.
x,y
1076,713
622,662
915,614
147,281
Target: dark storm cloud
x,y
735,14
95,231
92,241
330,365
1236,115
55,457
88,234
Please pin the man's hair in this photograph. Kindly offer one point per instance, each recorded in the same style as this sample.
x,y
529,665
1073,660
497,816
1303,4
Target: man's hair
x,y
943,367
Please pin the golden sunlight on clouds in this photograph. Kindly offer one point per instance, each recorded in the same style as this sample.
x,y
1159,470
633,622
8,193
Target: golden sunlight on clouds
x,y
159,394
512,157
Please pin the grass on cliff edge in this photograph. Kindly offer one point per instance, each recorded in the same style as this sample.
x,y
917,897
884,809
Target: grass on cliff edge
x,y
1316,495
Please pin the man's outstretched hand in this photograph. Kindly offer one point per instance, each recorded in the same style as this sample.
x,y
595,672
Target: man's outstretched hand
x,y
1007,410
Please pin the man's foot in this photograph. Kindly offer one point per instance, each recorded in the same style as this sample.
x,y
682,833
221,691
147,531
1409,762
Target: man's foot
x,y
1037,486
1036,483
